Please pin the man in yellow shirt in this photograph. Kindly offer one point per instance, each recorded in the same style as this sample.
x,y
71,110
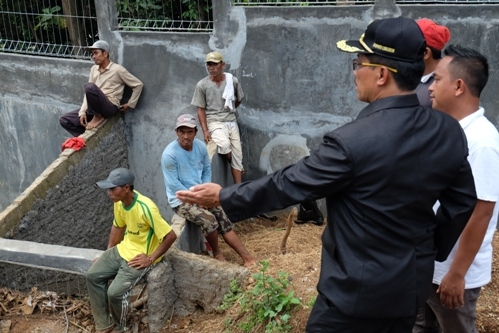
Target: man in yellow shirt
x,y
139,238
103,92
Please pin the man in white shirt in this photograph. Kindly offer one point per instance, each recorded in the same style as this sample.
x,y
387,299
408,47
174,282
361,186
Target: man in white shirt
x,y
459,80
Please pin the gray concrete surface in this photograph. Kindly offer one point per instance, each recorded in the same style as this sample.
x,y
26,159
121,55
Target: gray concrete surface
x,y
34,92
55,257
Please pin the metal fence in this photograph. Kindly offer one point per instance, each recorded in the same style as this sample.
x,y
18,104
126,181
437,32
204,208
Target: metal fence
x,y
303,3
454,2
62,28
160,15
47,27
350,2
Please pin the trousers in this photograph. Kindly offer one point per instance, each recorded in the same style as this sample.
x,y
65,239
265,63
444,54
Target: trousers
x,y
107,301
435,318
97,102
327,318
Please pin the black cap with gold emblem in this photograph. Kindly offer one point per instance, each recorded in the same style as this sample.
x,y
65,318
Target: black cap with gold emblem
x,y
397,38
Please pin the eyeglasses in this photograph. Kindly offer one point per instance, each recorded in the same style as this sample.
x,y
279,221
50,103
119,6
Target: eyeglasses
x,y
356,64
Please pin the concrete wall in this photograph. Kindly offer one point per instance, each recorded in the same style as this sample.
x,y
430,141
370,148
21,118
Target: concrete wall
x,y
34,92
298,85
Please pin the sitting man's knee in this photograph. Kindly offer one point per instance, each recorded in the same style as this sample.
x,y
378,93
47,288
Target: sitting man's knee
x,y
117,293
91,276
224,147
90,86
62,120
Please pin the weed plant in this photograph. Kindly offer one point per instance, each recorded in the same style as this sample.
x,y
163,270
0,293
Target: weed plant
x,y
267,304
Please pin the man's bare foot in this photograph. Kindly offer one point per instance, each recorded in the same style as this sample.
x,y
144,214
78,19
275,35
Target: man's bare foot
x,y
96,121
249,262
219,256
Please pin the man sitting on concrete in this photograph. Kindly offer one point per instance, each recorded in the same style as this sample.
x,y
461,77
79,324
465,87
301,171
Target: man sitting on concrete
x,y
217,96
185,163
103,92
139,238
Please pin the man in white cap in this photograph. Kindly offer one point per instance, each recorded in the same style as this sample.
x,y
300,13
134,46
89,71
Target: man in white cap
x,y
381,174
139,238
217,97
185,163
103,92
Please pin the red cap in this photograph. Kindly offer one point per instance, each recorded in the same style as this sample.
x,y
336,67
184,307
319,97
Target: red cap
x,y
436,35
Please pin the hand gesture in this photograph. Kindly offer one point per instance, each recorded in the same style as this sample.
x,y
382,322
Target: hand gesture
x,y
204,195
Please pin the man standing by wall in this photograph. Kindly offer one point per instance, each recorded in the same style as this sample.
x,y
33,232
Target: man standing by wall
x,y
217,97
459,80
185,163
381,175
139,238
103,92
436,37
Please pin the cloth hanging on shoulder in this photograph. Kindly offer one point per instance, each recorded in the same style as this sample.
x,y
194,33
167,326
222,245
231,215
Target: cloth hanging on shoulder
x,y
228,93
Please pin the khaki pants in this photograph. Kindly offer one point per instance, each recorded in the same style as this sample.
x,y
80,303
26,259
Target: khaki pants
x,y
226,136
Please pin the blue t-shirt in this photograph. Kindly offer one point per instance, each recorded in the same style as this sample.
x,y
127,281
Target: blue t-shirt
x,y
183,169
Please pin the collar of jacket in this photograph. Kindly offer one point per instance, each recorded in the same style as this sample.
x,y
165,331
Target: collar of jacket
x,y
399,101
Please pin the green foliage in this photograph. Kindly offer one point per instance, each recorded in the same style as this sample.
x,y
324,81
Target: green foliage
x,y
161,15
235,292
50,17
268,303
311,302
192,10
138,9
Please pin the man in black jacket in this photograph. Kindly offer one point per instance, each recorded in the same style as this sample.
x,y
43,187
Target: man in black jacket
x,y
381,175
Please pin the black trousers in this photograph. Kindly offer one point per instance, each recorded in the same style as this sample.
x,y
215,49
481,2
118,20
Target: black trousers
x,y
97,102
326,318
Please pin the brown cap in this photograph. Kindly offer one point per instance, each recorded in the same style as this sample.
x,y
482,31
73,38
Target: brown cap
x,y
214,57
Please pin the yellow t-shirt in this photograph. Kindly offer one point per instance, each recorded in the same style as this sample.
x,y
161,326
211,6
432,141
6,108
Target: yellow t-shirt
x,y
145,227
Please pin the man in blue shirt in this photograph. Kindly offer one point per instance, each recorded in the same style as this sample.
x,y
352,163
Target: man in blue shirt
x,y
185,163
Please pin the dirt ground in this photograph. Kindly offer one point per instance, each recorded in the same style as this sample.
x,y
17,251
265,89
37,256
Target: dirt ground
x,y
39,312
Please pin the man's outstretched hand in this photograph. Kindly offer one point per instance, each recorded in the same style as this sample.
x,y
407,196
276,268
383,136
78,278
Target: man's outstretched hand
x,y
204,195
